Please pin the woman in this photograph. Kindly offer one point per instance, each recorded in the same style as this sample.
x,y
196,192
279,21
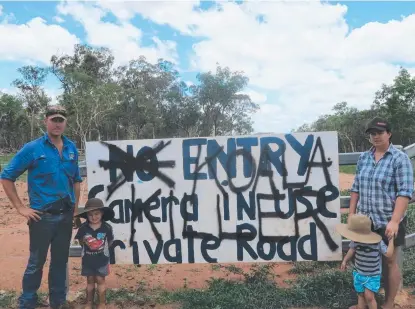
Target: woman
x,y
382,188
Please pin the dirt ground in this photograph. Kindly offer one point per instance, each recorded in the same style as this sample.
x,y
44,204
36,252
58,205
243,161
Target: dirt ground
x,y
15,252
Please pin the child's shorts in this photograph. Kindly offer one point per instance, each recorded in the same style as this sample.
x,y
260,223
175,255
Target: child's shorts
x,y
362,282
102,271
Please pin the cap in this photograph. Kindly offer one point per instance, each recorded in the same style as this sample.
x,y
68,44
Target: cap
x,y
55,111
378,123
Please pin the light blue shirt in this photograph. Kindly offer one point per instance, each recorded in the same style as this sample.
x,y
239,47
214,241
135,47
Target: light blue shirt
x,y
50,176
379,184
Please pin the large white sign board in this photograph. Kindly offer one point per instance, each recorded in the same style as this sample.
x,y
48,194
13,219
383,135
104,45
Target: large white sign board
x,y
220,199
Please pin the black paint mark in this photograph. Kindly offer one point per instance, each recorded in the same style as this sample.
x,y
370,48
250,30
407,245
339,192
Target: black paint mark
x,y
298,195
128,164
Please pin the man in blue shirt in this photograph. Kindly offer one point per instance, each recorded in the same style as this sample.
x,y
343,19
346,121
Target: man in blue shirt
x,y
54,190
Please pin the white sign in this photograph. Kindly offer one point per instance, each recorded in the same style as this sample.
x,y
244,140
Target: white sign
x,y
220,199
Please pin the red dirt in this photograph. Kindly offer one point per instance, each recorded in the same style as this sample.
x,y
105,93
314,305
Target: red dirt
x,y
15,252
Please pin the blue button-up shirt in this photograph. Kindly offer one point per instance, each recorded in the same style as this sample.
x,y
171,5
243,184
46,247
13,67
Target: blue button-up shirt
x,y
50,176
379,184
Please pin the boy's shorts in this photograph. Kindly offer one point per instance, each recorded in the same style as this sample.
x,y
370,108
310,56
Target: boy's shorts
x,y
102,271
362,282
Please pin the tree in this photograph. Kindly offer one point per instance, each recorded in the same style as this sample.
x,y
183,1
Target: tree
x,y
350,124
14,123
396,102
89,92
147,90
139,99
31,91
225,111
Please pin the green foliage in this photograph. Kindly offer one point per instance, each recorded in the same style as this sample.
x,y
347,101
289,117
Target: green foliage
x,y
408,269
7,299
410,228
139,100
32,94
345,192
310,267
348,169
14,123
5,159
396,102
259,290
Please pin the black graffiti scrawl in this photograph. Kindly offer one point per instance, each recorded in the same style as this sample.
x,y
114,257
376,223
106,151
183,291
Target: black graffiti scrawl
x,y
144,161
271,165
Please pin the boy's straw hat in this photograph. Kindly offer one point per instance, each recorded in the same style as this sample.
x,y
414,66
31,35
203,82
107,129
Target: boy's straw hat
x,y
359,229
94,204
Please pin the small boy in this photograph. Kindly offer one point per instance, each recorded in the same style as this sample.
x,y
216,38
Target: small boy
x,y
367,248
95,237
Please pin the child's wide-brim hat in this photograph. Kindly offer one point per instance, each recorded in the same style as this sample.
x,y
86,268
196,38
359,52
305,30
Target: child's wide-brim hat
x,y
95,204
358,229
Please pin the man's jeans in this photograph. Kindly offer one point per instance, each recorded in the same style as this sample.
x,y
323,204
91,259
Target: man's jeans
x,y
56,231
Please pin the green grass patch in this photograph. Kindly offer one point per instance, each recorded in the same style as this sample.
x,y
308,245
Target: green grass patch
x,y
5,159
347,169
7,299
408,269
345,192
327,288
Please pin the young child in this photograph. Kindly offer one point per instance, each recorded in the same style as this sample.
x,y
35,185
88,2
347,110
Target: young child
x,y
367,249
95,237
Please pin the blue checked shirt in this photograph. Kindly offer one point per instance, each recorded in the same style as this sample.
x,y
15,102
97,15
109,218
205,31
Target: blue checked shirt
x,y
50,177
379,184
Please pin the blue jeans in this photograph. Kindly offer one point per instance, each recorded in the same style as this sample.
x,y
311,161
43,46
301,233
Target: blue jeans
x,y
54,231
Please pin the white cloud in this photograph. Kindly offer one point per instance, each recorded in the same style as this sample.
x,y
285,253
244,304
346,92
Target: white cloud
x,y
58,19
304,52
255,96
122,38
34,41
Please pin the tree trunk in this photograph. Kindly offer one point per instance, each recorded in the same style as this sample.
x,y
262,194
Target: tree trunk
x,y
84,141
32,121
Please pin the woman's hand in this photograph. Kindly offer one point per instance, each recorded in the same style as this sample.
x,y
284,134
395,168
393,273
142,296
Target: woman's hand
x,y
391,229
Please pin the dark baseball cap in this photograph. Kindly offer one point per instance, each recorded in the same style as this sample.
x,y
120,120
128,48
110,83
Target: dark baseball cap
x,y
56,111
378,123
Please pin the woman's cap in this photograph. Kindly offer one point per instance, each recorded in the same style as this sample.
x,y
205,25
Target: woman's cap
x,y
378,123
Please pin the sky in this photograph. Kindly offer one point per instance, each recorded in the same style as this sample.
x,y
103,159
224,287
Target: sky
x,y
301,57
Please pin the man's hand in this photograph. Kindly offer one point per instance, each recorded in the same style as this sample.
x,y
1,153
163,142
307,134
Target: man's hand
x,y
343,266
29,213
391,229
76,223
